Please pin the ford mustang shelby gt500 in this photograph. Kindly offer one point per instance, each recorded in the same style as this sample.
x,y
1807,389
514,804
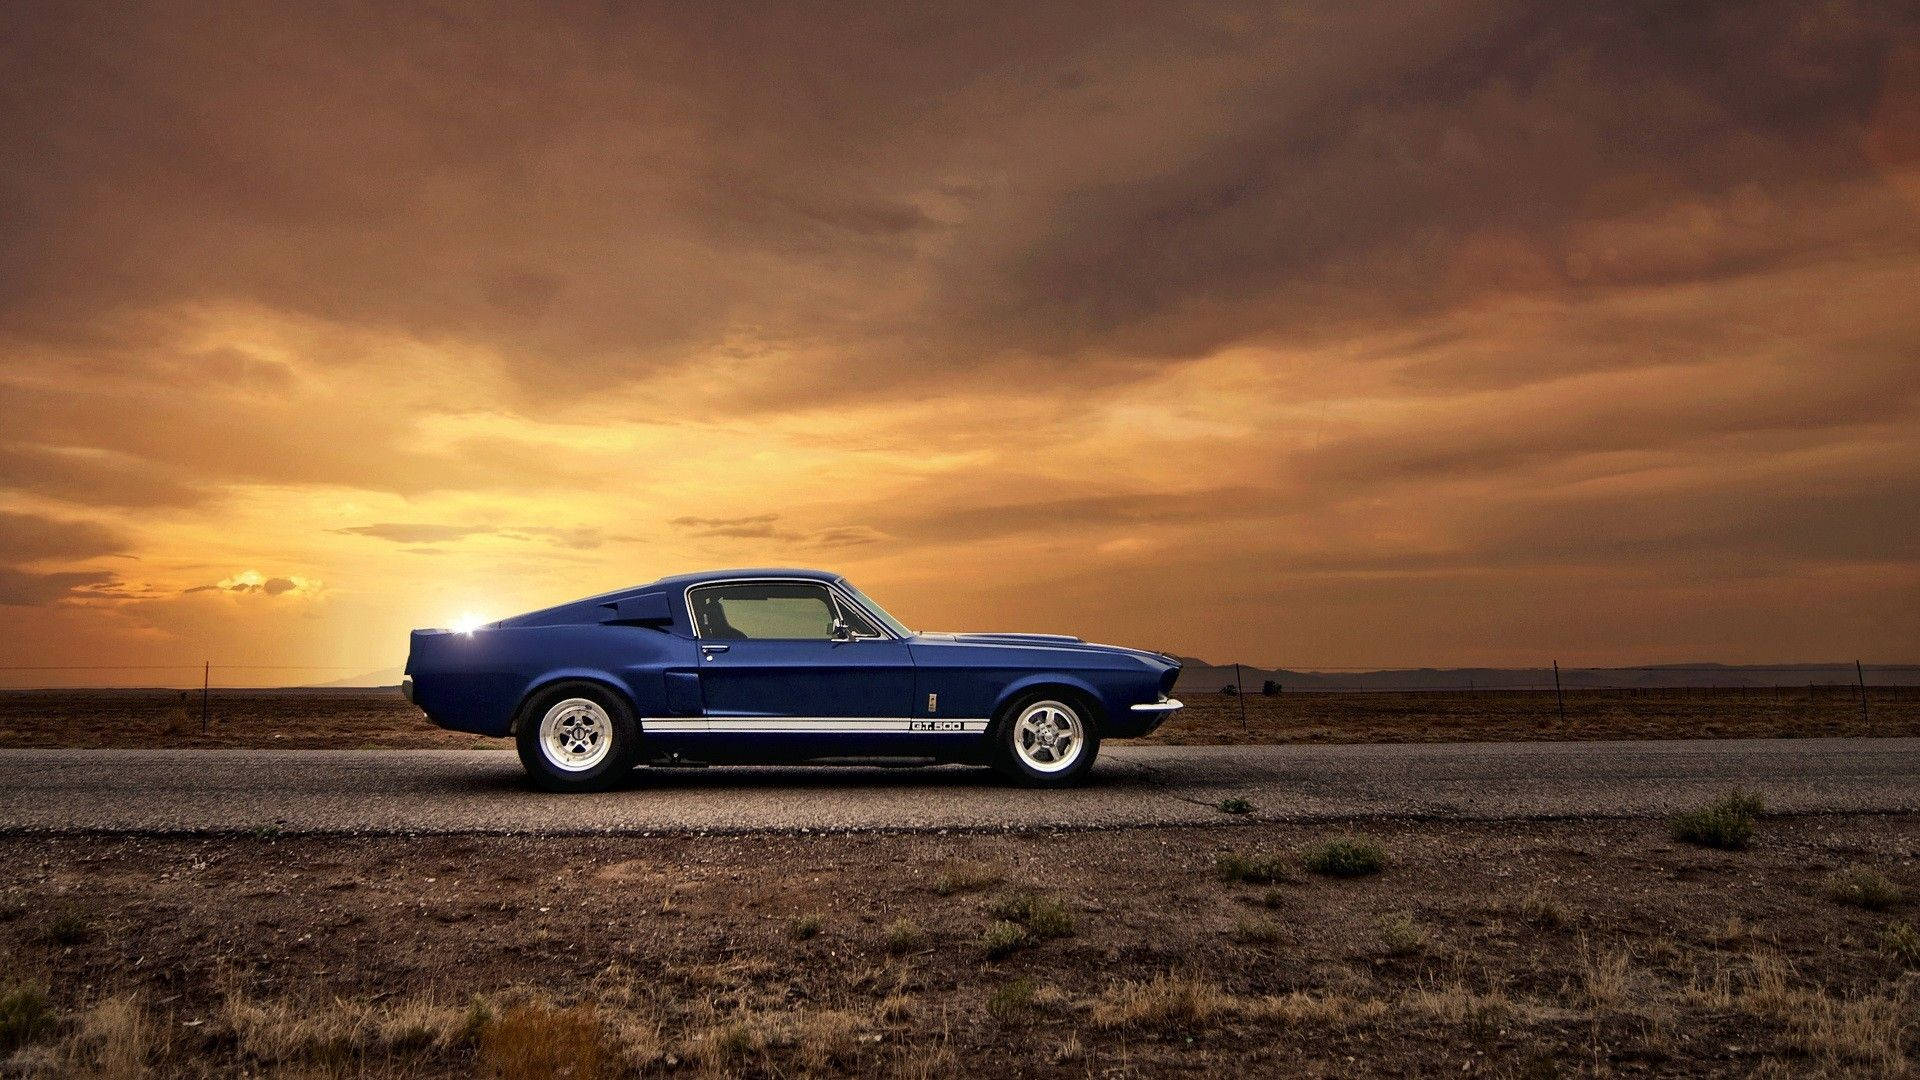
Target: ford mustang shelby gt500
x,y
777,666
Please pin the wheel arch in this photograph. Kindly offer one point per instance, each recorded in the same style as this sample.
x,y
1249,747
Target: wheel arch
x,y
523,708
1079,690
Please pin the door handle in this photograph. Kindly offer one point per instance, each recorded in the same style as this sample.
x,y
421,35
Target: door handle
x,y
710,648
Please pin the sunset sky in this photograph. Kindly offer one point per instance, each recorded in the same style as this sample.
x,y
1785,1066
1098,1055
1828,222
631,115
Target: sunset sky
x,y
1297,334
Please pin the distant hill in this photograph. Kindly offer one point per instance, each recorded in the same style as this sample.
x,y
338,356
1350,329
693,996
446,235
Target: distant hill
x,y
384,677
1199,676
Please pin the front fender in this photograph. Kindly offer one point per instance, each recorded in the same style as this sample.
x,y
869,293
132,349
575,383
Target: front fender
x,y
1027,683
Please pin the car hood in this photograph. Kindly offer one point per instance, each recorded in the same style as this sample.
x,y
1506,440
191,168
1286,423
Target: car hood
x,y
1062,642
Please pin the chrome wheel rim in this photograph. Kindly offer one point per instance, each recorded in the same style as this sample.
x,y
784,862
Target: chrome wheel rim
x,y
1048,736
575,735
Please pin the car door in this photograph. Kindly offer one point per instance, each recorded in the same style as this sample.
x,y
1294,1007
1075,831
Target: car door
x,y
788,668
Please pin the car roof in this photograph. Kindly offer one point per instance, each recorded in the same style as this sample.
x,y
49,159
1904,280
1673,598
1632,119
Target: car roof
x,y
586,609
699,576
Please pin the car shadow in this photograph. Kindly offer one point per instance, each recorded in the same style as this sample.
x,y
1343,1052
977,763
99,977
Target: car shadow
x,y
1117,775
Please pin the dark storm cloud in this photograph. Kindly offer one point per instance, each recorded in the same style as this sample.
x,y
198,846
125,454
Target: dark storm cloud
x,y
21,588
593,193
27,537
92,477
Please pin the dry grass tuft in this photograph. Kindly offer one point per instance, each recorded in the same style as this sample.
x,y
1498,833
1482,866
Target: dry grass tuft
x,y
904,936
966,877
1543,912
115,1040
540,1042
1043,916
1251,930
805,926
287,1032
1862,888
1163,1001
1606,977
1400,935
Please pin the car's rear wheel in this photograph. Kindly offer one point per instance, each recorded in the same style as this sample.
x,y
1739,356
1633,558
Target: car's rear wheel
x,y
1045,740
577,736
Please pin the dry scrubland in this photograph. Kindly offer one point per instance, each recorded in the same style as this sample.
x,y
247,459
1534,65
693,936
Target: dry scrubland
x,y
371,718
1516,950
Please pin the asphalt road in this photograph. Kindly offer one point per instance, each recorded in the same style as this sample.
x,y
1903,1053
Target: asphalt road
x,y
400,791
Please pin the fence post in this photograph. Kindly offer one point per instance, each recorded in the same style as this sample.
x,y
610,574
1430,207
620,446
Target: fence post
x,y
206,680
1240,692
1860,674
1559,694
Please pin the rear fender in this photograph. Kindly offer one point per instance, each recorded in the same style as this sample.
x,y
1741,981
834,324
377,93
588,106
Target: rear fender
x,y
592,675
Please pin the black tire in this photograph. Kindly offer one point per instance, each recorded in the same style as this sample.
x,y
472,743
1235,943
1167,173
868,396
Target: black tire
x,y
1010,763
597,769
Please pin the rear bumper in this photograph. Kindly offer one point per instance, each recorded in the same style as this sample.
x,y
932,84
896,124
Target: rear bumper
x,y
406,688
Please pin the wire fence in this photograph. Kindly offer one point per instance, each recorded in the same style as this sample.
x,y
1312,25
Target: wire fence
x,y
325,704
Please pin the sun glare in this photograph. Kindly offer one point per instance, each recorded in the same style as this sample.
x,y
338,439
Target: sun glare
x,y
468,622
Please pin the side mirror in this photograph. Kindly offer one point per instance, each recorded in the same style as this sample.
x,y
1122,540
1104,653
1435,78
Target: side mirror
x,y
840,631
647,609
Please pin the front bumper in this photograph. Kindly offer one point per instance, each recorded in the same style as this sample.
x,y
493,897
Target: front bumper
x,y
1163,706
1148,717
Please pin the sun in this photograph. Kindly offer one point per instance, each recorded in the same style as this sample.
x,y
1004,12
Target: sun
x,y
468,622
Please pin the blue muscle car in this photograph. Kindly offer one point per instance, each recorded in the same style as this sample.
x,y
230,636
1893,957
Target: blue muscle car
x,y
777,666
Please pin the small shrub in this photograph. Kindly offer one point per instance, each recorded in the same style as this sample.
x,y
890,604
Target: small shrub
x,y
965,877
1043,916
25,1015
1346,856
479,1014
1250,869
68,928
1902,942
1234,805
1863,888
904,936
1003,938
1009,1003
804,927
1725,823
1273,898
1401,936
537,1042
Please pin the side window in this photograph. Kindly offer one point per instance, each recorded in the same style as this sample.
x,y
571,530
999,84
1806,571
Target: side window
x,y
857,622
764,609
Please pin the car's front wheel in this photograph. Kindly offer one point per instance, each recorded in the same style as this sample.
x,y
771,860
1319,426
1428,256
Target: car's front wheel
x,y
577,736
1045,740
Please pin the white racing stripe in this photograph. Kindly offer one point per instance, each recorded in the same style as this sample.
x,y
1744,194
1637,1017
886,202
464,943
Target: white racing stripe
x,y
813,725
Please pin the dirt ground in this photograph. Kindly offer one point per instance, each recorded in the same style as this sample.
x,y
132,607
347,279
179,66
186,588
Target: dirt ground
x,y
1517,950
316,718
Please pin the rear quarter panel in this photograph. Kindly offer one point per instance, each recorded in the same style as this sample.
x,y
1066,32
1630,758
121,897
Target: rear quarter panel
x,y
475,682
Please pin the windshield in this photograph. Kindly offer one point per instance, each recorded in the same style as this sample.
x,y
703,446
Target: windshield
x,y
875,610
